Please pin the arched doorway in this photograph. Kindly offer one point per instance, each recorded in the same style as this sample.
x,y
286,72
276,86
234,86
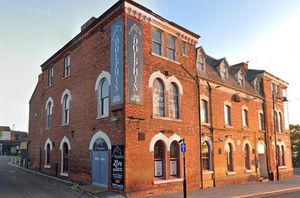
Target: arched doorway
x,y
262,160
100,163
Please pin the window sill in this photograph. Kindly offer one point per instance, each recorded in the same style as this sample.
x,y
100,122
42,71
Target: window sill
x,y
165,58
205,124
50,86
65,124
207,172
245,128
166,118
248,171
64,174
184,55
66,76
164,181
230,173
228,126
101,117
48,128
263,131
47,166
282,167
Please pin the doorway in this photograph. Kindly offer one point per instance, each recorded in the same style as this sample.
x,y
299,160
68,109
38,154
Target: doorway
x,y
262,162
100,163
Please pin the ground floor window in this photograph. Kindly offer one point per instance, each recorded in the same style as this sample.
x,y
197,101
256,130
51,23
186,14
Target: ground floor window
x,y
65,158
174,159
159,159
230,167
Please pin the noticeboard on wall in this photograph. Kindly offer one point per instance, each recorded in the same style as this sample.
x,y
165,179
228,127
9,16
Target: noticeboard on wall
x,y
117,163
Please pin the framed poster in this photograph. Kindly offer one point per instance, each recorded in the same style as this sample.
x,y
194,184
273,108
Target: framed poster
x,y
158,168
173,167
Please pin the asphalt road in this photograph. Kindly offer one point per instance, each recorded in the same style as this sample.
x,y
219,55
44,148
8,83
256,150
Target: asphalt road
x,y
17,183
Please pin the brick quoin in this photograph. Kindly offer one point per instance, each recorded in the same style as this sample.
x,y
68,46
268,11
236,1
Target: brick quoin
x,y
135,125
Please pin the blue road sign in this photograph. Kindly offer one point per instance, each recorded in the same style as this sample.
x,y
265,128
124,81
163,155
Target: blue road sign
x,y
183,147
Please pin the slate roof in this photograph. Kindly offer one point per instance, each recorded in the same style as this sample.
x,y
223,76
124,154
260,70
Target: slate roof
x,y
212,73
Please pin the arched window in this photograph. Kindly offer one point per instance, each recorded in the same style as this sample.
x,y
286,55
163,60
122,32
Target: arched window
x,y
247,157
65,158
230,167
279,122
66,109
206,153
174,159
48,155
282,156
174,101
276,121
158,98
49,114
103,98
159,159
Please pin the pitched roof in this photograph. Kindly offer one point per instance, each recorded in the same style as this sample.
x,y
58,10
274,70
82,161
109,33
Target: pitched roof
x,y
212,73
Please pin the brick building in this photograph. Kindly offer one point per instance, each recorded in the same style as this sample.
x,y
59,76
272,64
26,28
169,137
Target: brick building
x,y
111,106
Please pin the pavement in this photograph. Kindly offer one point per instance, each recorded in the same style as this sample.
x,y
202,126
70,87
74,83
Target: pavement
x,y
282,188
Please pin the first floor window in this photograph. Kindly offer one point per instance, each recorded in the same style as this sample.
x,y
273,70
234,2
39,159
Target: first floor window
x,y
66,109
159,159
174,101
103,98
245,118
204,115
158,98
227,115
49,114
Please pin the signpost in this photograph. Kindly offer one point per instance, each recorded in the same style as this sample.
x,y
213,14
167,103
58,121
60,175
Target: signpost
x,y
183,150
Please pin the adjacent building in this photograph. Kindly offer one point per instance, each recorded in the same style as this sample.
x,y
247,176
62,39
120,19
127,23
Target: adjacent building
x,y
111,106
10,140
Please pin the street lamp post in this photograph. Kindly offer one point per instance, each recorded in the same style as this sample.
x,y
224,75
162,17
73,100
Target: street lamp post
x,y
183,150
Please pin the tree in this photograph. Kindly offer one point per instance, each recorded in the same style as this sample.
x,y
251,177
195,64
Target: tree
x,y
295,141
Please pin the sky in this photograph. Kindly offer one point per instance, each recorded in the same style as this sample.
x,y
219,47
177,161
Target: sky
x,y
264,32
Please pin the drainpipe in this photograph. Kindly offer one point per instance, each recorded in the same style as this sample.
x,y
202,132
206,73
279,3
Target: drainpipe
x,y
266,134
212,132
196,79
275,135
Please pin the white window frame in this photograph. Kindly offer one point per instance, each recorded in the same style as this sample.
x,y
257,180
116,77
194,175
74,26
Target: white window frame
x,y
67,66
157,42
65,102
50,76
245,118
227,120
171,49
